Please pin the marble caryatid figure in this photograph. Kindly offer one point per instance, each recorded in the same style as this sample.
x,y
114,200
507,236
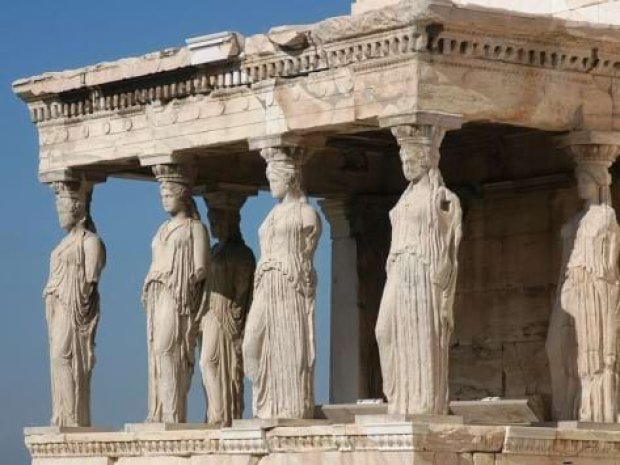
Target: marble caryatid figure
x,y
72,305
415,319
582,340
175,295
278,348
230,296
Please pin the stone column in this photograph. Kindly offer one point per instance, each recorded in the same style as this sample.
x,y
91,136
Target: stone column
x,y
416,318
72,301
360,233
582,343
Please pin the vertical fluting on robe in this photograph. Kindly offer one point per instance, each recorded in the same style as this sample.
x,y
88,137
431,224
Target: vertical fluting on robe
x,y
582,338
415,320
230,296
279,344
72,306
175,295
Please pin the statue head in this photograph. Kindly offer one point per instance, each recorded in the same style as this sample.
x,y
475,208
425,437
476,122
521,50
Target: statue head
x,y
224,214
284,171
176,190
175,197
419,149
70,204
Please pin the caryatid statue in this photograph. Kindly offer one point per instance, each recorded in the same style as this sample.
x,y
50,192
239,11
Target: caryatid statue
x,y
279,343
582,343
72,305
230,296
175,296
415,319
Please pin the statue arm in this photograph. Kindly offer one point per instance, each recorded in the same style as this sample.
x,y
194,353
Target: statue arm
x,y
312,230
202,251
452,208
244,281
94,258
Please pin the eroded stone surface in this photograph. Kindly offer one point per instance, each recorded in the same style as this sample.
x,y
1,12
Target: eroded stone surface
x,y
583,332
72,305
279,345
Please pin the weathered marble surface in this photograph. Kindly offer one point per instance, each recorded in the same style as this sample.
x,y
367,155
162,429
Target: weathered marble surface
x,y
230,296
354,70
279,345
334,444
583,331
599,11
416,317
72,305
175,296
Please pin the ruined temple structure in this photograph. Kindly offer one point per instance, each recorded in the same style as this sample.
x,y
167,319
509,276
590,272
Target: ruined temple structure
x,y
463,153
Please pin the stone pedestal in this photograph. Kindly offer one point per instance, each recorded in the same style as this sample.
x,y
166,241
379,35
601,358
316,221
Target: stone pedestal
x,y
159,427
392,419
393,444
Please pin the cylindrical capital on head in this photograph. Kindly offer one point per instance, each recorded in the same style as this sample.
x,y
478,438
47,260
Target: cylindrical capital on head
x,y
594,154
591,147
293,156
420,141
72,190
176,173
221,200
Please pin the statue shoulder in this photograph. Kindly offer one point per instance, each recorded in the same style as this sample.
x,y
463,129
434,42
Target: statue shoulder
x,y
199,229
309,215
94,250
92,240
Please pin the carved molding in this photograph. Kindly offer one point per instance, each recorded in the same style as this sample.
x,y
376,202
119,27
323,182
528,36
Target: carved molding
x,y
372,49
542,442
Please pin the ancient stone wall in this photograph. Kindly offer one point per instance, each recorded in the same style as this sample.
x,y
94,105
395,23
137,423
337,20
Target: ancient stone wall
x,y
508,272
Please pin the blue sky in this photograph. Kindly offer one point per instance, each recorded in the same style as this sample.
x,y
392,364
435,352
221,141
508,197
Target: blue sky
x,y
38,36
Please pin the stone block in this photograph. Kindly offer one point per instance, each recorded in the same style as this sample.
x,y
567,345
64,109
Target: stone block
x,y
496,412
155,460
503,314
396,418
526,369
464,439
446,458
256,423
346,413
73,461
475,371
351,458
484,459
159,427
581,425
50,430
213,47
224,460
553,460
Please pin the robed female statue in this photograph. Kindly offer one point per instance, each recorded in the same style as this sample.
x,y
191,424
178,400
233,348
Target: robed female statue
x,y
72,306
415,319
278,348
230,296
583,331
175,296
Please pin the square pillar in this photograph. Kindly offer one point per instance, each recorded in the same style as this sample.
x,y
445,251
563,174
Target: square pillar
x,y
360,234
